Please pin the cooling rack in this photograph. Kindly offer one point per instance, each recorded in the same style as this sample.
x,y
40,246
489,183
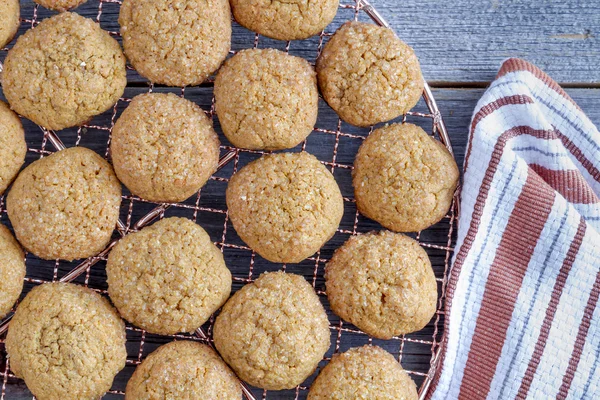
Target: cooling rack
x,y
333,142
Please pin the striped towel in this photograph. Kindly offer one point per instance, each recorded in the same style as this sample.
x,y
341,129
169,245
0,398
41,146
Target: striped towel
x,y
522,312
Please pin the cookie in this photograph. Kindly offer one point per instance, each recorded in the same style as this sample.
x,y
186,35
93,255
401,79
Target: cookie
x,y
285,19
368,75
382,283
183,370
273,332
167,278
12,270
285,206
403,178
60,5
63,72
367,372
12,146
164,148
66,205
10,12
266,99
176,43
67,342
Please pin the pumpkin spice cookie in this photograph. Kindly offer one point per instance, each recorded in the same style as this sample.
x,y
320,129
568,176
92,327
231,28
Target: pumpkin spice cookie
x,y
266,99
10,12
63,72
176,43
164,147
403,178
367,372
60,5
285,206
167,278
285,19
183,370
12,270
382,283
12,146
273,332
66,205
368,75
67,342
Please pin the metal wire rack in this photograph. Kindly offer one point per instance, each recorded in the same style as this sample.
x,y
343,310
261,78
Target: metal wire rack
x,y
333,142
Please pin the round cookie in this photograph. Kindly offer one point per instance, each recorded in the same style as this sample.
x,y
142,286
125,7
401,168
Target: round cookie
x,y
176,43
12,146
67,342
164,148
383,283
63,72
167,278
10,12
273,332
173,370
403,178
66,205
12,270
368,75
285,19
285,206
367,372
266,99
60,5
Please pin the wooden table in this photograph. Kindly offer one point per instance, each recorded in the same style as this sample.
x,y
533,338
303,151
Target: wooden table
x,y
461,45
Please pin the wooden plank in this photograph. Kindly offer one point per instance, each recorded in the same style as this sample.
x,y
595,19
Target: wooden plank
x,y
461,41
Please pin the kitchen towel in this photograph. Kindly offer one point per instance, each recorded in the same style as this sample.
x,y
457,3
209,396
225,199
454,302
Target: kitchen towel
x,y
522,310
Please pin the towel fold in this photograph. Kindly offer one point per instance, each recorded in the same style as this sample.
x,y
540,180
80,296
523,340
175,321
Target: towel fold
x,y
522,310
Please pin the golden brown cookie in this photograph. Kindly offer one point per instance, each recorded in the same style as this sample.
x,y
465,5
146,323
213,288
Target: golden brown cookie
x,y
67,342
167,278
66,205
382,283
10,11
273,332
368,75
285,206
164,148
403,178
12,146
367,372
183,370
63,72
60,5
285,19
176,43
266,99
12,270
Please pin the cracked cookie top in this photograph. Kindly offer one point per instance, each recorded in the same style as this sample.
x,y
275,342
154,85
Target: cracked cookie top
x,y
368,75
60,5
63,72
285,19
367,372
12,270
382,283
65,205
273,332
266,99
67,342
10,11
183,370
285,206
403,178
167,278
176,43
164,148
13,147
